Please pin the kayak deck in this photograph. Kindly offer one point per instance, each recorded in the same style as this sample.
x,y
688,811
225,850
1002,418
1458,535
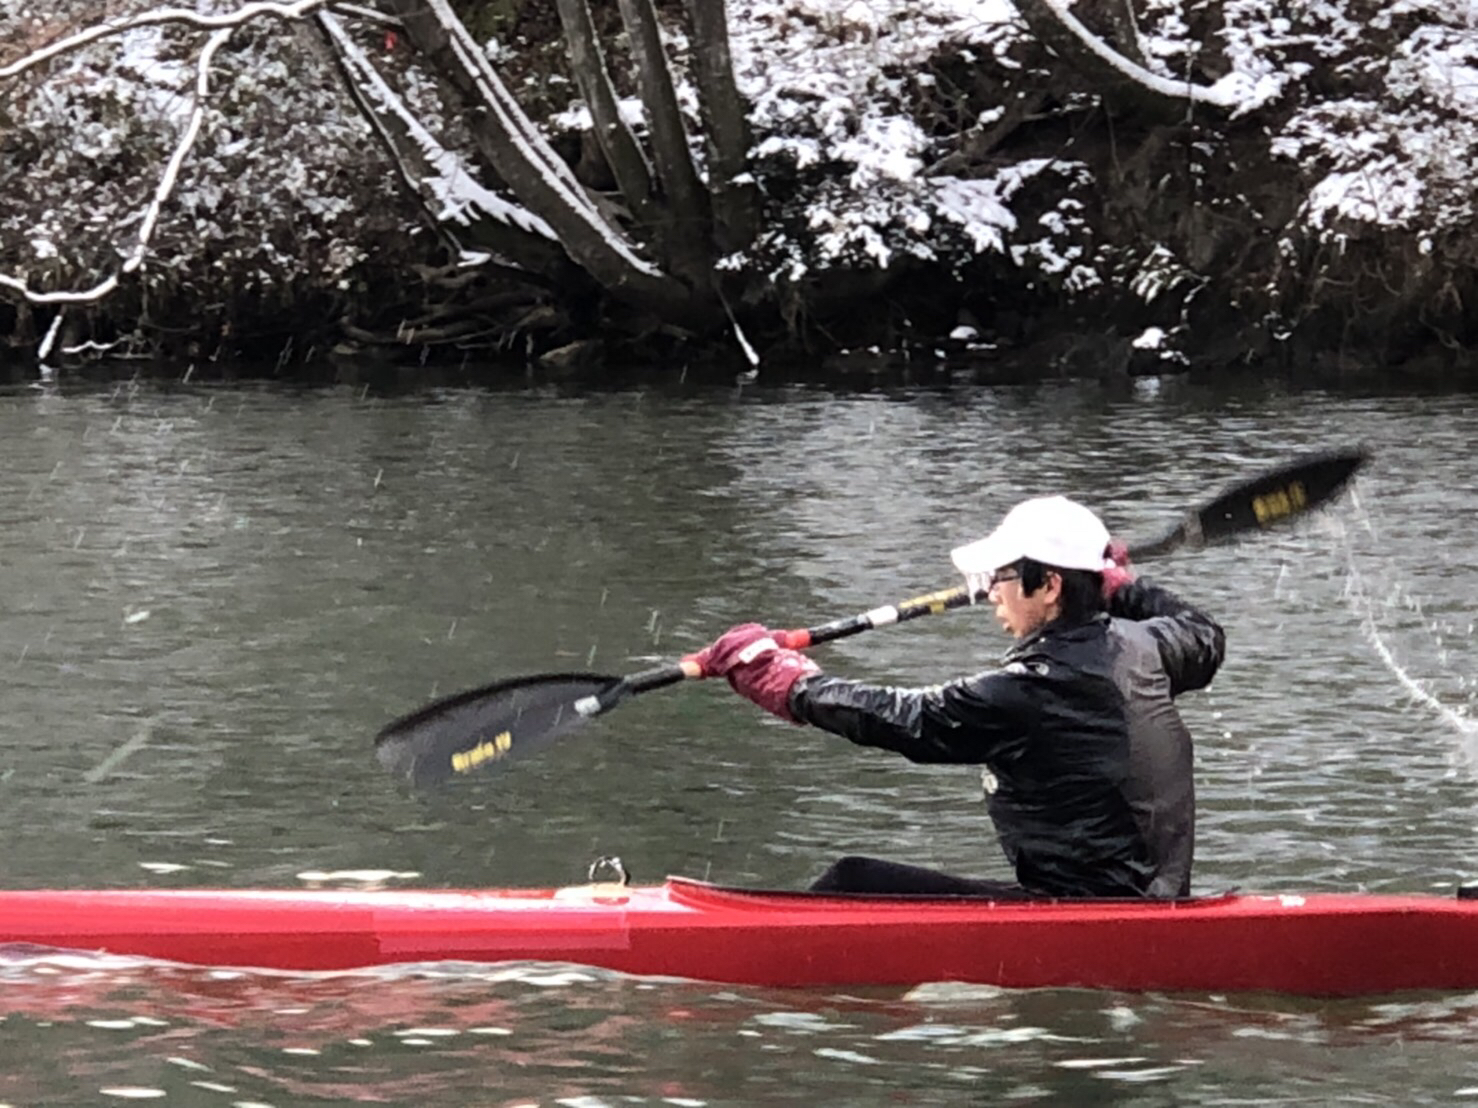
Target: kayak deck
x,y
1316,944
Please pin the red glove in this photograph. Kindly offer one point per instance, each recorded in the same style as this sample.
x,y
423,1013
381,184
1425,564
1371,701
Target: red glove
x,y
757,666
1120,573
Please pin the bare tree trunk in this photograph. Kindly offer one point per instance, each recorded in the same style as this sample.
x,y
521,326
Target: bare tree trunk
x,y
622,152
686,197
535,174
725,123
1123,81
540,254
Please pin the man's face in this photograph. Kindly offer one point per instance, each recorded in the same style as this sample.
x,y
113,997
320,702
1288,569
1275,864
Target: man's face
x,y
1020,614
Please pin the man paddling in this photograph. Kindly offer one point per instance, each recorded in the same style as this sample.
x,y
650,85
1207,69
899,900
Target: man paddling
x,y
1087,763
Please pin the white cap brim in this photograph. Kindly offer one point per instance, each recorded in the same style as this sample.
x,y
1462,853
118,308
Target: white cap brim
x,y
983,555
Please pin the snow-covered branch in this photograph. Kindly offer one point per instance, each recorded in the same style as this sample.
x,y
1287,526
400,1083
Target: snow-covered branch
x,y
524,160
440,172
222,26
1229,94
167,181
245,14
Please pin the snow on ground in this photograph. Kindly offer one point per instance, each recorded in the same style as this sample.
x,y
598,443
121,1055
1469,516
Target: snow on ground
x,y
833,87
831,82
1404,160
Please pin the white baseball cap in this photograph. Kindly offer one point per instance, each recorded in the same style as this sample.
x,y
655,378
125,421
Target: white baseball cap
x,y
1052,530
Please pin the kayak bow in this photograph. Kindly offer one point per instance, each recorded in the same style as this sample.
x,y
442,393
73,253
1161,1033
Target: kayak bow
x,y
1316,944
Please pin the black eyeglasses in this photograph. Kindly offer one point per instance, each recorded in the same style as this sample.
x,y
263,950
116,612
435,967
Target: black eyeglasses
x,y
1004,576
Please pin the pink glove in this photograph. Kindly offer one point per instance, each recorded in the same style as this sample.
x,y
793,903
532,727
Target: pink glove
x,y
1120,573
757,666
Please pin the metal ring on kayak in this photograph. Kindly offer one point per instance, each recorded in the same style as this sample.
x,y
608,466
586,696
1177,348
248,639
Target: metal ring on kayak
x,y
613,864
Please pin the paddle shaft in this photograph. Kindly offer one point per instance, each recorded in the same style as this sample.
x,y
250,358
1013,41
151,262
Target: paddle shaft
x,y
929,604
1260,502
661,676
482,727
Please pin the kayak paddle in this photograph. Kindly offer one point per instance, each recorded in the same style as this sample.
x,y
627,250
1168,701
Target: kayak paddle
x,y
470,730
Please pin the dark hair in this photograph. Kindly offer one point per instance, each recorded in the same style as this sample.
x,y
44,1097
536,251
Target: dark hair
x,y
1082,589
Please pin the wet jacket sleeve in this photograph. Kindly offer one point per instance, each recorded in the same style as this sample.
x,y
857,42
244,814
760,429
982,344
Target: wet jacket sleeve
x,y
964,722
1192,644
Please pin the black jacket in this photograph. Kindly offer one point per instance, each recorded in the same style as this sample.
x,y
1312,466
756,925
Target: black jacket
x,y
1090,760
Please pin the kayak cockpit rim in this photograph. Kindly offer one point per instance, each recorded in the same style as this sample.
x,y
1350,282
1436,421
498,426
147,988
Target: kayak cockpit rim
x,y
694,893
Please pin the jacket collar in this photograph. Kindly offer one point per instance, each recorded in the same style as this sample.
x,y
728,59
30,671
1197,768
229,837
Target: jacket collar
x,y
1058,629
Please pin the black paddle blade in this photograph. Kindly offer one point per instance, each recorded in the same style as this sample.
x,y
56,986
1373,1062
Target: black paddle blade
x,y
484,727
1291,490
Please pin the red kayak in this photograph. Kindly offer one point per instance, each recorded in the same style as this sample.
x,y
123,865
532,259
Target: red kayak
x,y
1317,944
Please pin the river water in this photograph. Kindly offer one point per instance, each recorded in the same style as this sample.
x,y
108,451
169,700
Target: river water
x,y
215,595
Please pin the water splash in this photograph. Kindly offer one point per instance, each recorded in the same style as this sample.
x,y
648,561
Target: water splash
x,y
1365,608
